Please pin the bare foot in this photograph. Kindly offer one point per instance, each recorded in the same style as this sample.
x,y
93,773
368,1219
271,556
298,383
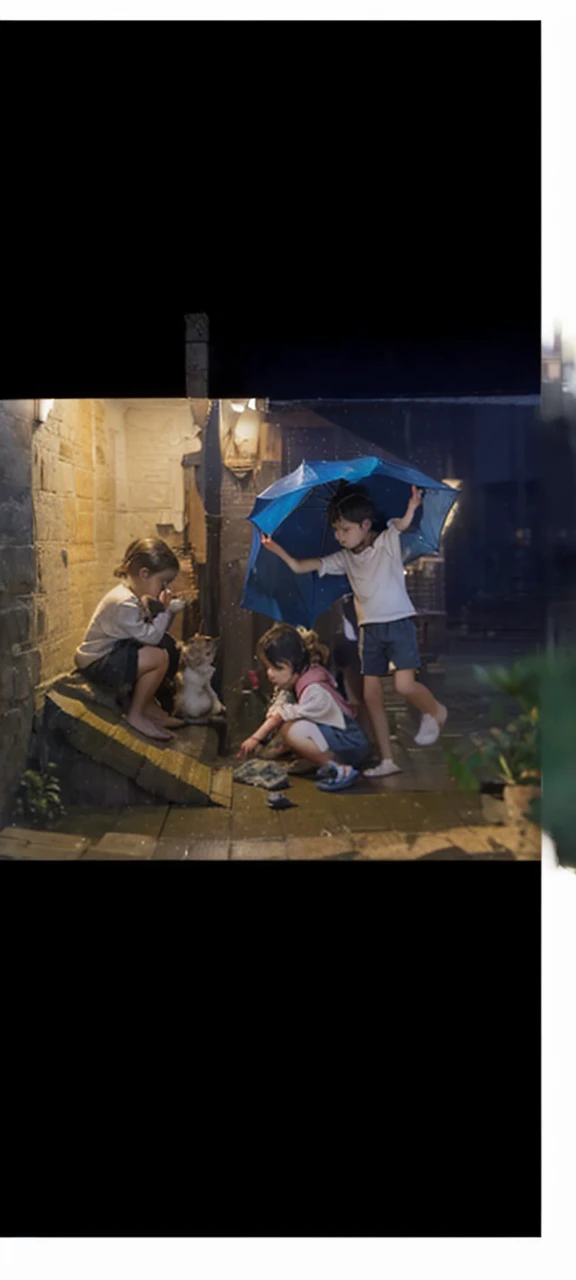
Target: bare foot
x,y
148,727
153,711
382,770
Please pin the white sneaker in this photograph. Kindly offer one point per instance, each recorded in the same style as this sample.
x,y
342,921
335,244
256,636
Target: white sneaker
x,y
382,770
430,727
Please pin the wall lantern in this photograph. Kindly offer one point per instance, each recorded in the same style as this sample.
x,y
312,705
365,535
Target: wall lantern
x,y
41,409
240,426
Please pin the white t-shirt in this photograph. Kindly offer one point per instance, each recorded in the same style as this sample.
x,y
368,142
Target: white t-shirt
x,y
376,576
119,616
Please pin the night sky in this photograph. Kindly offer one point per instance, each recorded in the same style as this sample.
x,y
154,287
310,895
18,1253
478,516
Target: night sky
x,y
363,220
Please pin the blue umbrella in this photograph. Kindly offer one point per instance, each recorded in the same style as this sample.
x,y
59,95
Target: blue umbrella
x,y
295,510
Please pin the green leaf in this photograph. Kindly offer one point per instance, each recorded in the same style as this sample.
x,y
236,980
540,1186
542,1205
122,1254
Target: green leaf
x,y
506,770
462,771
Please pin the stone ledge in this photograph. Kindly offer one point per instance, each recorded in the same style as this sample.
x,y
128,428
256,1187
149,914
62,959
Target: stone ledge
x,y
41,846
125,843
169,772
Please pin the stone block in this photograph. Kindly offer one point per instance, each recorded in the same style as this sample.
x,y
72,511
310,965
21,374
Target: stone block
x,y
484,839
50,839
35,852
83,458
316,848
102,855
80,553
493,809
135,845
15,462
16,624
84,428
196,823
524,841
208,851
85,527
104,528
18,676
17,570
171,849
393,846
149,493
146,820
65,479
258,850
16,521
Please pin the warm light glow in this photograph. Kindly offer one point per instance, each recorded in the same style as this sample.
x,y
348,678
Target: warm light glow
x,y
240,427
247,432
240,405
42,408
453,484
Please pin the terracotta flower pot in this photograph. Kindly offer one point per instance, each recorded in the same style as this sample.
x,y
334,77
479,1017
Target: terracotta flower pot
x,y
517,800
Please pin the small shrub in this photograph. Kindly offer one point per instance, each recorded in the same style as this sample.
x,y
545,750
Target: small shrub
x,y
38,799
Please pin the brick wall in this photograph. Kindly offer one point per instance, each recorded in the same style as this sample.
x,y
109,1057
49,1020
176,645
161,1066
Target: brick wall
x,y
19,659
74,491
74,497
104,473
149,480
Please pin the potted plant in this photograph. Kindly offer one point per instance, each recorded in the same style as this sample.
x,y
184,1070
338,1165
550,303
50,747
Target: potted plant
x,y
507,758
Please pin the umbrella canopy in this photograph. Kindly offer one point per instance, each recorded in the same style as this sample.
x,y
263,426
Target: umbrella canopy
x,y
295,510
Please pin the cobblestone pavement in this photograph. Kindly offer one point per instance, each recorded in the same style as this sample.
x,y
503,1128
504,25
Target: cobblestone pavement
x,y
361,824
419,814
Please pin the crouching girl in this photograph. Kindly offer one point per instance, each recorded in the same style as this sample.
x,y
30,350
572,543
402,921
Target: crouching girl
x,y
315,720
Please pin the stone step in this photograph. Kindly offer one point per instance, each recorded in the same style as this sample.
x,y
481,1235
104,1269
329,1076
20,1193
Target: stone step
x,y
112,752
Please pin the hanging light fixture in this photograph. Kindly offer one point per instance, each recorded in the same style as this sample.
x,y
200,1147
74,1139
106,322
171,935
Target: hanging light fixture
x,y
240,436
41,409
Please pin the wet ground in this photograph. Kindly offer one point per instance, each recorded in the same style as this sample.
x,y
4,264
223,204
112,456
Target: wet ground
x,y
419,813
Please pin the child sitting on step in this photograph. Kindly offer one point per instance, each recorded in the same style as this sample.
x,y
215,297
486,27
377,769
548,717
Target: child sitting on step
x,y
128,649
316,721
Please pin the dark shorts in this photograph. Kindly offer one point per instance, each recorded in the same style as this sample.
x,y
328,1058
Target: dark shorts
x,y
350,745
119,669
384,642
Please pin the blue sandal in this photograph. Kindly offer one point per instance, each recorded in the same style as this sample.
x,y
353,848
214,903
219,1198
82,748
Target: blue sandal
x,y
338,780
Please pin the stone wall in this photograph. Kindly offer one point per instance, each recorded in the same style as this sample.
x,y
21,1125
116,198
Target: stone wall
x,y
74,491
74,496
151,483
19,659
104,472
149,480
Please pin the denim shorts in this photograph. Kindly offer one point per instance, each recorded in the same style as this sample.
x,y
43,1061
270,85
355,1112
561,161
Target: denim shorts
x,y
384,642
350,745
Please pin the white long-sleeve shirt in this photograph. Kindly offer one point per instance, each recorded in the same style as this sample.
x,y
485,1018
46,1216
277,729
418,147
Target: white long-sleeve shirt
x,y
316,703
119,616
